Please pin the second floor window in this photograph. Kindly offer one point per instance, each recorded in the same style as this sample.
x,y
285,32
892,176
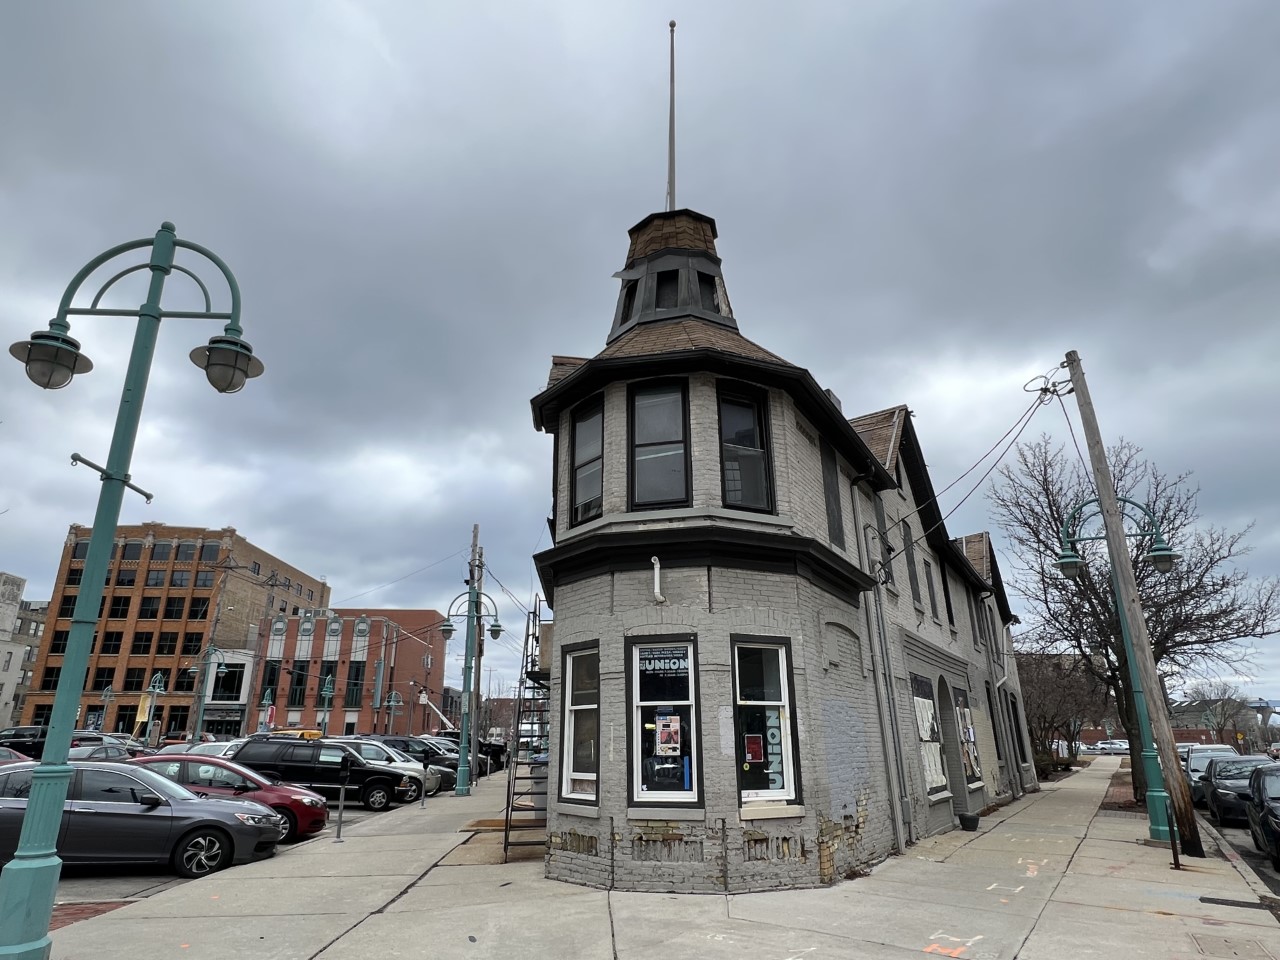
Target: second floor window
x,y
909,552
744,461
659,468
588,463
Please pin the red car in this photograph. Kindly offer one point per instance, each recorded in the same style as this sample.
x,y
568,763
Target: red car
x,y
11,756
305,812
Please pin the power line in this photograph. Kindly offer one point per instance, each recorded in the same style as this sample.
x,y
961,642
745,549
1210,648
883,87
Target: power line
x,y
398,579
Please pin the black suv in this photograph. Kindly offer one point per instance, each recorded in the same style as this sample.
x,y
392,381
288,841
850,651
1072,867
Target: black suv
x,y
318,766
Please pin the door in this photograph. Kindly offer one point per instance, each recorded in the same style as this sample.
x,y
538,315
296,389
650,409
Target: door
x,y
15,788
109,823
215,781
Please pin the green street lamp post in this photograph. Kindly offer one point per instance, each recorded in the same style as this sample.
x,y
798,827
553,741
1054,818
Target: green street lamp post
x,y
394,702
326,692
267,703
157,690
28,883
475,615
202,679
1162,558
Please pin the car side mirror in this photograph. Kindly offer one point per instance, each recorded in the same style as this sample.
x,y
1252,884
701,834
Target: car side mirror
x,y
1203,778
151,800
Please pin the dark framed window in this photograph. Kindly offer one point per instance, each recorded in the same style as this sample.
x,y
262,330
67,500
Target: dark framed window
x,y
120,607
161,551
102,606
167,645
178,717
131,550
41,715
968,736
667,294
662,723
297,688
75,575
191,644
175,608
271,677
103,677
933,593
186,552
185,682
49,679
707,292
831,491
255,568
149,608
886,548
628,301
909,551
354,696
155,578
226,688
588,462
126,576
67,605
135,678
929,733
659,424
745,474
209,552
328,668
141,645
764,722
112,640
581,740
995,724
80,550
199,608
180,578
204,578
946,595
311,594
59,642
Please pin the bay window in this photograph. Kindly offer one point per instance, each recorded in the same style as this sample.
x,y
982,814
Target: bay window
x,y
763,721
659,453
588,463
663,725
581,762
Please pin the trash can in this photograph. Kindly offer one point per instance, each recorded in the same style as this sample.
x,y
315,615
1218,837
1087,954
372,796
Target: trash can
x,y
538,782
969,821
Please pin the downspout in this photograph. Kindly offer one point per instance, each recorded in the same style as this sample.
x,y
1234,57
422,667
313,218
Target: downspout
x,y
889,742
657,580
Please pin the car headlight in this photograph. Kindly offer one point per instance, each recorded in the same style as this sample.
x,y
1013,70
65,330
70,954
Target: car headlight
x,y
308,801
404,782
1228,794
259,819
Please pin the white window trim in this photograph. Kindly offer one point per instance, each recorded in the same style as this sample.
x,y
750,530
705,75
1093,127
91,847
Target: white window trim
x,y
788,793
567,774
682,797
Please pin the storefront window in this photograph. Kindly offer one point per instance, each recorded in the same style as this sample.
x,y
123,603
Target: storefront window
x,y
766,762
664,733
581,724
930,734
968,737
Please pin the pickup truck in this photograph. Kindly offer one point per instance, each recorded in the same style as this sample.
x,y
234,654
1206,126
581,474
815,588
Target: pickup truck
x,y
26,740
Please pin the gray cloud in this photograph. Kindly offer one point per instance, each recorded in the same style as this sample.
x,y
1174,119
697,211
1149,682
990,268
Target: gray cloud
x,y
922,205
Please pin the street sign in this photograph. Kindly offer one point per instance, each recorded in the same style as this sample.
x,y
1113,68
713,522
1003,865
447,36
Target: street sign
x,y
1240,736
271,714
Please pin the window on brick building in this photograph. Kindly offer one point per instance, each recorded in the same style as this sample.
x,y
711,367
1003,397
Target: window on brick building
x,y
581,739
199,608
161,551
186,552
120,607
663,730
141,645
204,578
131,550
80,550
933,592
126,576
174,608
209,552
49,679
75,575
831,491
744,455
191,644
763,721
587,469
59,643
103,677
659,453
67,605
149,608
255,568
929,734
909,552
180,578
112,640
155,578
167,645
886,548
135,678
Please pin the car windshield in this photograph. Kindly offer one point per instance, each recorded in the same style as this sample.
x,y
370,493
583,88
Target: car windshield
x,y
401,756
164,787
1236,769
1200,761
11,732
1271,786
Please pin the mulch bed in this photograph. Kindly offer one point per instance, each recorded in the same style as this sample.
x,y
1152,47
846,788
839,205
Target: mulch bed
x,y
1120,792
68,913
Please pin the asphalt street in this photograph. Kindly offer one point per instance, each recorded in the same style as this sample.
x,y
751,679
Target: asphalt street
x,y
1237,834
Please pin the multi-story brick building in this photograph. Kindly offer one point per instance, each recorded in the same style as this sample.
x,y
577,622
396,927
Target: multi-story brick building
x,y
171,593
380,661
755,682
18,657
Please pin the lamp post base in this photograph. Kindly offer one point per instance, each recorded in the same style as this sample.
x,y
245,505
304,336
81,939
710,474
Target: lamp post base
x,y
27,895
1157,798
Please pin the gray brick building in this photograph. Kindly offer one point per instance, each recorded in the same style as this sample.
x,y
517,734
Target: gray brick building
x,y
772,665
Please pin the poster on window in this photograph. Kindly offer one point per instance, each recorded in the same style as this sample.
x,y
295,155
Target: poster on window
x,y
968,737
668,736
753,748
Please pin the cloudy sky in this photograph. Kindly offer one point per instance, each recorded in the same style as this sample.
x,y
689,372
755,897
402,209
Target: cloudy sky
x,y
921,202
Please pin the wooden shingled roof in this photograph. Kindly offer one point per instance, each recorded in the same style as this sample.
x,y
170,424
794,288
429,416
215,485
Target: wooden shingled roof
x,y
676,336
561,367
882,433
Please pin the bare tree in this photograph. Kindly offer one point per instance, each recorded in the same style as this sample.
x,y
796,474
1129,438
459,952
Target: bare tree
x,y
1199,616
1060,695
1223,709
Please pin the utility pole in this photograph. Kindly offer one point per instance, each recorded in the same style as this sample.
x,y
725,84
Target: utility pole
x,y
465,735
475,680
1131,612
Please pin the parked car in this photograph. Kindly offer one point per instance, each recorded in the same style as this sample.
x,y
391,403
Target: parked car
x,y
1225,783
423,779
1273,751
121,813
435,754
318,767
96,738
304,811
1184,749
479,765
103,751
11,756
26,740
222,748
1198,758
1263,810
1112,747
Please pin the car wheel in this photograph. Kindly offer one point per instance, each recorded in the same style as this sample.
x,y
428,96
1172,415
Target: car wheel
x,y
439,787
201,852
413,792
376,797
1253,835
291,825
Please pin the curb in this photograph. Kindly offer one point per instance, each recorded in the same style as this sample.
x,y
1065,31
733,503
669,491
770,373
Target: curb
x,y
1247,873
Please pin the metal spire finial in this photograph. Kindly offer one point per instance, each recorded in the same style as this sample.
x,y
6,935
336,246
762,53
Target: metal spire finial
x,y
671,128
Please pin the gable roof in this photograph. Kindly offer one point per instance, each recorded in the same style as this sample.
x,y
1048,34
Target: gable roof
x,y
882,432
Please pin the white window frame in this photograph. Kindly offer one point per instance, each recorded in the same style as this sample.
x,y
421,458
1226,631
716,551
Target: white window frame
x,y
692,796
569,776
788,793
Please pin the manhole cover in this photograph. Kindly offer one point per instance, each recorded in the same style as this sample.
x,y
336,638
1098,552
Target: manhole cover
x,y
1230,949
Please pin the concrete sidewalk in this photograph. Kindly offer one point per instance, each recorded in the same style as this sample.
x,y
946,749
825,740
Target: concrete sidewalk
x,y
1048,876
